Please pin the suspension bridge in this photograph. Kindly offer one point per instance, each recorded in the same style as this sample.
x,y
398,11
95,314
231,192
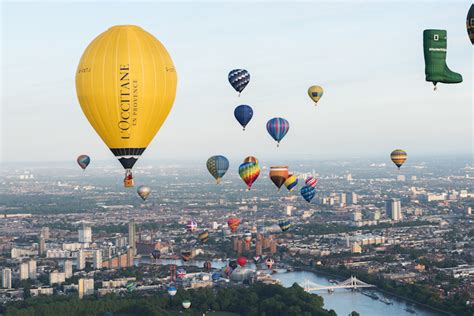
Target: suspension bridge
x,y
351,283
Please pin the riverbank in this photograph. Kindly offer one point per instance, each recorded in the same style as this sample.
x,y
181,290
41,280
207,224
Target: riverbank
x,y
342,278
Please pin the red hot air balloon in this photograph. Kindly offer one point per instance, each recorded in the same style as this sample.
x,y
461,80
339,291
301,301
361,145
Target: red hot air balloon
x,y
233,224
241,261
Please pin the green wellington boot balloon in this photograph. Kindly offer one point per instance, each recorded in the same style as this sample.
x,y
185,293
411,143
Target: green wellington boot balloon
x,y
434,47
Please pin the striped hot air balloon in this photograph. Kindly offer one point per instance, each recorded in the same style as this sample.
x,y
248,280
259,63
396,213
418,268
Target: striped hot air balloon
x,y
311,181
249,172
284,224
233,224
278,175
204,236
277,128
186,255
291,182
217,166
251,159
191,225
398,157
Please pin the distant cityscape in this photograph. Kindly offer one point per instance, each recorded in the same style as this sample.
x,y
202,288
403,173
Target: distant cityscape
x,y
75,233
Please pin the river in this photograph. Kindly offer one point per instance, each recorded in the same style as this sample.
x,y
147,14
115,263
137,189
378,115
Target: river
x,y
342,301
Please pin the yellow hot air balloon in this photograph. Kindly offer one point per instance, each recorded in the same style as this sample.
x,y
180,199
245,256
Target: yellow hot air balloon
x,y
315,93
126,85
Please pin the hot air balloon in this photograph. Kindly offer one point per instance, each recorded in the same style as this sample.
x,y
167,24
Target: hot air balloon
x,y
186,304
207,266
228,270
172,291
269,263
217,166
144,192
284,224
257,259
233,224
277,128
191,225
278,175
130,286
398,157
181,273
239,79
435,45
291,182
204,236
315,93
249,172
243,114
233,264
251,159
241,261
126,85
216,276
470,23
156,254
308,192
311,181
186,255
248,237
83,161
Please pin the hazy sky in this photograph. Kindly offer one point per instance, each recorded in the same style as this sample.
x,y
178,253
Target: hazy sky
x,y
368,56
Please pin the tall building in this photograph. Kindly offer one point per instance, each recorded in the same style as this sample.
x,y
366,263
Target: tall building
x,y
45,232
132,241
351,198
67,269
81,260
377,215
289,209
97,259
357,216
258,247
342,199
85,234
349,177
394,209
56,277
7,278
41,246
24,271
85,287
401,177
32,269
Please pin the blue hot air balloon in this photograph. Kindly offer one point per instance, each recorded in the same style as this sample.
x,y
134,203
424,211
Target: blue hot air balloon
x,y
83,161
277,127
216,276
217,166
172,291
308,192
239,79
243,113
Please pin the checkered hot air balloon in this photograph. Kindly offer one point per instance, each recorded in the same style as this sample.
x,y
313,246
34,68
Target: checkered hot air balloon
x,y
217,167
239,79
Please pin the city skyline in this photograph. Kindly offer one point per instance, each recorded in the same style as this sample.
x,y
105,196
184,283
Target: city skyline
x,y
355,118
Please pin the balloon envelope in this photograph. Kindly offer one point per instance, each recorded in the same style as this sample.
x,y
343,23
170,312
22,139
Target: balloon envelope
x,y
277,128
291,182
278,175
251,159
181,273
470,23
156,254
216,276
172,291
204,236
186,304
269,263
233,224
398,157
249,172
284,224
243,114
239,79
144,192
207,265
83,161
241,261
217,166
311,181
315,93
191,225
126,85
308,192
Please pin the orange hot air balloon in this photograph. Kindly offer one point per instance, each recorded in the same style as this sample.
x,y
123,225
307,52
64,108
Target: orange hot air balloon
x,y
233,224
278,175
398,157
